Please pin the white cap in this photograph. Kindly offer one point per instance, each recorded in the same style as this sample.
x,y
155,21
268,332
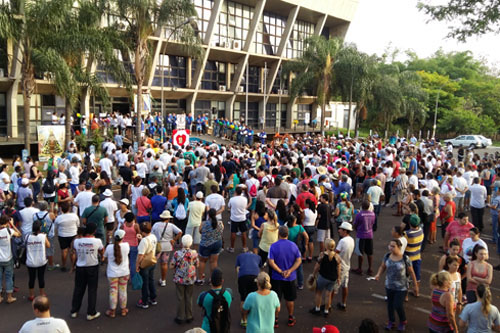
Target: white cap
x,y
346,226
25,181
199,195
124,201
120,233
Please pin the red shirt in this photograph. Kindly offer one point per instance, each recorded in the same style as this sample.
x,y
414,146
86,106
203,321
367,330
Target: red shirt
x,y
301,199
458,231
143,204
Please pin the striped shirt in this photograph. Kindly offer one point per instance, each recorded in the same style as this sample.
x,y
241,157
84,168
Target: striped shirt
x,y
438,320
415,238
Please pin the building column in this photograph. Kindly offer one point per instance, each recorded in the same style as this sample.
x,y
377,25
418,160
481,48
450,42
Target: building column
x,y
15,75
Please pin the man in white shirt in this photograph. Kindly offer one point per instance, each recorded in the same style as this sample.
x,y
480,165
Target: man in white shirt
x,y
215,201
345,248
27,216
238,206
110,205
74,170
44,323
461,188
106,164
84,199
478,196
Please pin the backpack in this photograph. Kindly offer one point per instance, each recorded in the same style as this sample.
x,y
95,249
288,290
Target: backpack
x,y
220,318
180,212
253,190
43,222
48,187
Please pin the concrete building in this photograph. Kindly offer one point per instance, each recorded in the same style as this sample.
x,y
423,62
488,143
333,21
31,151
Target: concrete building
x,y
239,37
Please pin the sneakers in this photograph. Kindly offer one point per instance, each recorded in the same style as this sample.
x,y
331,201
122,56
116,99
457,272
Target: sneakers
x,y
300,287
341,307
199,282
51,268
163,283
390,326
314,311
402,326
74,315
142,305
230,249
92,317
291,321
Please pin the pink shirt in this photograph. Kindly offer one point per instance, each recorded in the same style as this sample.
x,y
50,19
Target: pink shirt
x,y
143,204
458,231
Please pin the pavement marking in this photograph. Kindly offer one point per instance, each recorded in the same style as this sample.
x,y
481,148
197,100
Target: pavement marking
x,y
427,271
379,296
422,310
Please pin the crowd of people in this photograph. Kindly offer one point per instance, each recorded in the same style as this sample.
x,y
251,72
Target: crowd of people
x,y
290,203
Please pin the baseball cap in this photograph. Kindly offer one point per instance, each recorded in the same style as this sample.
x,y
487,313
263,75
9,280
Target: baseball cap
x,y
414,220
199,195
326,329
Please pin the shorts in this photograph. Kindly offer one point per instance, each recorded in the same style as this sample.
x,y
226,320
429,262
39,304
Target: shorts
x,y
310,231
399,196
50,199
365,246
467,194
142,219
344,278
416,268
164,257
323,283
322,235
195,233
459,201
255,238
254,203
210,250
110,226
240,226
49,252
65,242
287,289
246,285
488,189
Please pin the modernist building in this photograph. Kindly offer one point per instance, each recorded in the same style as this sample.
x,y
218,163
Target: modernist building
x,y
245,41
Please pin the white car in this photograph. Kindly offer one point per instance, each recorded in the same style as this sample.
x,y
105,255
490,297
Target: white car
x,y
485,141
472,141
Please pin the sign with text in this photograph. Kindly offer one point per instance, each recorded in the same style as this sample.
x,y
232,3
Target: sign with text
x,y
181,121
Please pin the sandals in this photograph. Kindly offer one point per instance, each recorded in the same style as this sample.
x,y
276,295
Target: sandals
x,y
124,312
291,321
110,313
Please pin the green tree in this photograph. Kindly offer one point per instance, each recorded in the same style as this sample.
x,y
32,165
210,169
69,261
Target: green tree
x,y
472,17
143,19
314,70
413,99
30,24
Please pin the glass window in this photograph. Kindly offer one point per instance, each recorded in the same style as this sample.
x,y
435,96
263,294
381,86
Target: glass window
x,y
233,24
295,45
214,75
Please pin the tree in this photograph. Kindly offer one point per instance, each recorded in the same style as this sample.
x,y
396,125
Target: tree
x,y
29,24
142,19
413,98
475,17
314,69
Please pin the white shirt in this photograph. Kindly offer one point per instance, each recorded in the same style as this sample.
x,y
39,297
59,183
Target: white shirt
x,y
27,219
106,165
84,200
75,174
478,196
170,231
35,250
113,270
111,206
5,247
67,224
413,180
468,247
215,201
142,169
147,244
238,205
4,181
460,184
87,250
309,217
375,193
45,325
251,182
345,247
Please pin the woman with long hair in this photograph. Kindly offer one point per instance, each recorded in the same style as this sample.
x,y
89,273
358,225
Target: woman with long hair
x,y
442,317
452,265
268,234
453,252
134,192
309,223
210,244
36,260
103,184
118,273
179,209
49,191
144,207
480,316
479,272
281,212
132,236
327,270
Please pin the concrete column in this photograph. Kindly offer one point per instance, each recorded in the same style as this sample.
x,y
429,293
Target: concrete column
x,y
15,74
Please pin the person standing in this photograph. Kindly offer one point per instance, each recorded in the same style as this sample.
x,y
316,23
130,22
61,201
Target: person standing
x,y
7,231
363,223
248,267
196,209
458,229
481,316
111,207
118,273
479,272
415,237
442,317
84,199
262,306
478,196
238,206
97,215
66,225
145,265
47,219
26,215
87,249
211,232
284,259
345,248
43,323
36,259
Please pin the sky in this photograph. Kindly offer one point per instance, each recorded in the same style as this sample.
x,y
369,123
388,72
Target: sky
x,y
398,23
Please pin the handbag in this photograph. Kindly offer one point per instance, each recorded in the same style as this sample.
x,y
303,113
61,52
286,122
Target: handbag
x,y
311,282
158,244
149,259
137,282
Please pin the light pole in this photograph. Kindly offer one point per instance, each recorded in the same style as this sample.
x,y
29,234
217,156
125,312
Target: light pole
x,y
436,108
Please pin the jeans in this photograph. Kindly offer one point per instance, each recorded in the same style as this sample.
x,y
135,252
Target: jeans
x,y
300,276
36,191
7,271
85,276
148,284
132,258
388,192
33,272
395,301
184,294
494,223
477,217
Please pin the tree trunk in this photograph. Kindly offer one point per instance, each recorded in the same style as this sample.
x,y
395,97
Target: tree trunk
x,y
138,126
28,84
140,58
68,110
350,105
356,119
26,109
323,109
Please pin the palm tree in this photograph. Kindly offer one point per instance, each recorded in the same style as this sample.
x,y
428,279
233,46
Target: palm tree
x,y
413,98
29,24
143,19
314,69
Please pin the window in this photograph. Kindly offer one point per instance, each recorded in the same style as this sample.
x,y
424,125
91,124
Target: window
x,y
212,108
283,116
271,115
170,72
214,75
253,113
233,25
296,43
268,35
175,106
204,10
254,79
276,84
302,110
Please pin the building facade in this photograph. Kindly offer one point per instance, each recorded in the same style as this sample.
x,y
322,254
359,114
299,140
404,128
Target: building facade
x,y
246,42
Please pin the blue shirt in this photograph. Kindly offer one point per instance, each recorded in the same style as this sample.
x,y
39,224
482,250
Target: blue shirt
x,y
119,140
249,264
262,311
413,166
158,203
284,253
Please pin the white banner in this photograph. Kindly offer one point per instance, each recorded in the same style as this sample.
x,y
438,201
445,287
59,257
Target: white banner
x,y
181,138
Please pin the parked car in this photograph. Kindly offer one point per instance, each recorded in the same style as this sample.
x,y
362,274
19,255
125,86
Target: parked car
x,y
472,141
485,141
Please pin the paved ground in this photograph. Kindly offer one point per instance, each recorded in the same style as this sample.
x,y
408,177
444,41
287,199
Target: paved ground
x,y
365,298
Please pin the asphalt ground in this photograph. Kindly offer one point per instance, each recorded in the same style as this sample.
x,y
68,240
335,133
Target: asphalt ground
x,y
366,298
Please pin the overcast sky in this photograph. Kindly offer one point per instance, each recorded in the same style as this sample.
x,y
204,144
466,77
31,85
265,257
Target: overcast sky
x,y
379,23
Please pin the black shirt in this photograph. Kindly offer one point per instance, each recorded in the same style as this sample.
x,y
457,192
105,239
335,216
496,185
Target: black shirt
x,y
324,213
126,174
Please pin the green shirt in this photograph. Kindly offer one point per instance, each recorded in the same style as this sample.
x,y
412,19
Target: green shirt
x,y
297,172
205,301
96,216
262,311
294,231
190,156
